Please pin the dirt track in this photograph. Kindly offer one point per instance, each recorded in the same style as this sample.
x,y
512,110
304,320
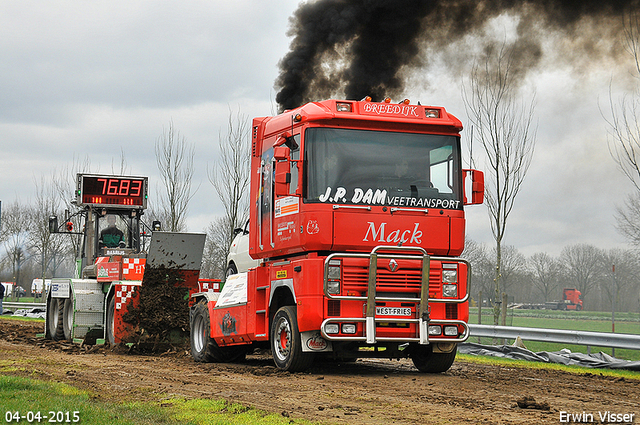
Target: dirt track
x,y
367,392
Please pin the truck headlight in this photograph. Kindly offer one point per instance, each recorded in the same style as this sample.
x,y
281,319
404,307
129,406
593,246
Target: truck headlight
x,y
451,330
333,272
331,328
333,287
449,276
435,330
450,291
348,328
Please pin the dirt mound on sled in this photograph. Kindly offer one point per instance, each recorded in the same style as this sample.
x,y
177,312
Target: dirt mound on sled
x,y
162,315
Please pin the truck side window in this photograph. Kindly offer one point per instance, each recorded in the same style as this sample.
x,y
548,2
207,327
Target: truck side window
x,y
294,155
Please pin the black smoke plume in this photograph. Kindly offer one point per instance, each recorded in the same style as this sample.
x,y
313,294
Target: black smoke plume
x,y
367,47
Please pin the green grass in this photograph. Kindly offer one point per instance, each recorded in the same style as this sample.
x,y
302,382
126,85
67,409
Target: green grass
x,y
25,319
579,370
25,395
628,323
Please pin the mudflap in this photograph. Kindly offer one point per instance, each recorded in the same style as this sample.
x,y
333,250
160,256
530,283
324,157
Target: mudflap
x,y
312,341
229,325
125,297
230,313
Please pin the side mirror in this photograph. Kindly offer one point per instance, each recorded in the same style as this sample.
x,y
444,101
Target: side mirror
x,y
281,153
282,178
282,170
476,185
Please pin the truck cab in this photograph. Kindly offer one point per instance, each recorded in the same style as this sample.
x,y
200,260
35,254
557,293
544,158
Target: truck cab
x,y
357,217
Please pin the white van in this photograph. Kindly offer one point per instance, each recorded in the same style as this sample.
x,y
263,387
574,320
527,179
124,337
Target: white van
x,y
238,260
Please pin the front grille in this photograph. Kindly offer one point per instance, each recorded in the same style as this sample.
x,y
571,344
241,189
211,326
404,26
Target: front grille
x,y
407,278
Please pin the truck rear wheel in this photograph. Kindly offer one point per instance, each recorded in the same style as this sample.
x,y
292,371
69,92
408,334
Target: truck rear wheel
x,y
427,361
203,347
286,342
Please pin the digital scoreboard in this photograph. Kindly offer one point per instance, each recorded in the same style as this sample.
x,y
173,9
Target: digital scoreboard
x,y
112,191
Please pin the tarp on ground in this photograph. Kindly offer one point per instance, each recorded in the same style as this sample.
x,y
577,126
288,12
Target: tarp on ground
x,y
565,356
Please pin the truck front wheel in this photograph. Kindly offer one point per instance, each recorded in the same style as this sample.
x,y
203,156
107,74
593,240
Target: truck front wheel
x,y
427,361
203,347
286,342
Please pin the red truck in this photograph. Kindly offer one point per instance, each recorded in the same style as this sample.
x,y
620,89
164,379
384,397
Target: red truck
x,y
571,300
357,218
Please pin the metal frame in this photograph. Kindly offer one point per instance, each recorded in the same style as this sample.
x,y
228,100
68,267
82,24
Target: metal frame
x,y
598,339
423,320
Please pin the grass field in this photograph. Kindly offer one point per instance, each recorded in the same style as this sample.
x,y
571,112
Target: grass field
x,y
628,323
25,400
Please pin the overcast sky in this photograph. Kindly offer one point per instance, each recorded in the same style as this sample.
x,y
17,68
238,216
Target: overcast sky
x,y
94,79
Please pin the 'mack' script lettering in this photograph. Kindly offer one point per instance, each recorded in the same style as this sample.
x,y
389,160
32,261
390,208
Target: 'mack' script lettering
x,y
378,235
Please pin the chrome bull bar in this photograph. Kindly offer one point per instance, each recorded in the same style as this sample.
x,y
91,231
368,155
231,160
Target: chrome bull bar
x,y
423,320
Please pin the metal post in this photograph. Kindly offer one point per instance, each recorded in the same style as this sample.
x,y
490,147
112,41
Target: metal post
x,y
613,306
504,313
479,311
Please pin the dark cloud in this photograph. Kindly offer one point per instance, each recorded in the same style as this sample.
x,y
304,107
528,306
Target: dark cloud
x,y
365,47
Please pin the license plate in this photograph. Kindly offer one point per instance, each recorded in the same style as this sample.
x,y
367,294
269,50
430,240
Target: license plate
x,y
393,311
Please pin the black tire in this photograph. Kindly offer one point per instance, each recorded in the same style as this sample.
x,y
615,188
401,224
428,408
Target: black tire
x,y
60,318
286,342
578,308
427,361
53,317
67,318
203,347
109,334
232,269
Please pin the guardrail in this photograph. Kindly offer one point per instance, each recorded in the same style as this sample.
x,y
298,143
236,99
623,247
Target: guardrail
x,y
598,339
15,306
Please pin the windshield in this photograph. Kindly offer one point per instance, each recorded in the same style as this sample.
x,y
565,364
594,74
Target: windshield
x,y
382,168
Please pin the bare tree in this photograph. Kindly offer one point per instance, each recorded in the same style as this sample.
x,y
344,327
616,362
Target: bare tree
x,y
482,270
16,222
583,266
624,135
214,258
48,250
628,219
174,157
64,182
230,176
514,266
545,272
503,126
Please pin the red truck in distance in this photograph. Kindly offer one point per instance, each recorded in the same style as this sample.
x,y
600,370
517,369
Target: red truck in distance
x,y
571,300
357,219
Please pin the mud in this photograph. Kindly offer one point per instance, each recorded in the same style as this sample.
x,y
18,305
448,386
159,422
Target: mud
x,y
162,315
365,392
